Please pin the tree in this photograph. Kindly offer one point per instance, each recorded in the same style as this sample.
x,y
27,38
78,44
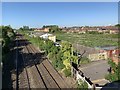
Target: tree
x,y
25,27
21,28
117,25
47,45
52,28
7,35
59,56
67,51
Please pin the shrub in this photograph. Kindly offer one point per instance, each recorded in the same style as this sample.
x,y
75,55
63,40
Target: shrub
x,y
84,60
67,72
60,65
82,85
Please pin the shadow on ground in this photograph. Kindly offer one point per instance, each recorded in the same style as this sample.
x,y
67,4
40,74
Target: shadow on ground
x,y
110,86
9,64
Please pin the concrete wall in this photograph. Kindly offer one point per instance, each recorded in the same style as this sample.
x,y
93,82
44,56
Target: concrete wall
x,y
79,75
98,56
83,79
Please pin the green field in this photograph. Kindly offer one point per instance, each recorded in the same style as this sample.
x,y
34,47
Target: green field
x,y
91,40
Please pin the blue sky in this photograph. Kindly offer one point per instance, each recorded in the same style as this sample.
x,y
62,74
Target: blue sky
x,y
37,14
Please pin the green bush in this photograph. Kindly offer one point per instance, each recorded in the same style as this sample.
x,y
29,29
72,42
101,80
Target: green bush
x,y
55,54
54,62
82,85
67,72
84,60
60,65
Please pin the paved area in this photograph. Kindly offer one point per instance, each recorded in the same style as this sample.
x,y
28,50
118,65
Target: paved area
x,y
96,71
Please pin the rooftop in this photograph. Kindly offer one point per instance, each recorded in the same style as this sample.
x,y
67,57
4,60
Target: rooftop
x,y
107,47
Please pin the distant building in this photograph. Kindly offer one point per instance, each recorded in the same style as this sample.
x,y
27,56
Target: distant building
x,y
98,56
99,29
114,31
46,29
52,38
42,29
112,52
37,29
49,36
82,31
105,52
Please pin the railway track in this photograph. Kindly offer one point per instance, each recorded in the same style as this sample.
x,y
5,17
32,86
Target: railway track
x,y
36,80
37,72
48,78
49,68
23,79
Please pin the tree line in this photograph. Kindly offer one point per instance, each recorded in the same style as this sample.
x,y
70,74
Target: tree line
x,y
52,28
7,36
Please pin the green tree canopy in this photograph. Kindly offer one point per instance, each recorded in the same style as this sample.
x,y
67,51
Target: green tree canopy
x,y
53,28
117,25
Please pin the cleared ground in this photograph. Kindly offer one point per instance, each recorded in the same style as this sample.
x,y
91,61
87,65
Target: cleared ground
x,y
91,40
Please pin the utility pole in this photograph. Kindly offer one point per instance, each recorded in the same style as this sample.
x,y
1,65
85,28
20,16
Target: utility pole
x,y
39,43
16,64
72,50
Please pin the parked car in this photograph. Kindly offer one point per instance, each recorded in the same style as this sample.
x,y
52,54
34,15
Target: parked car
x,y
57,44
76,53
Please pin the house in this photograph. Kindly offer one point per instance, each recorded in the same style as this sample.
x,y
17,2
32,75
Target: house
x,y
116,56
41,29
112,52
111,29
99,29
52,38
105,52
49,36
98,56
82,31
37,29
114,31
36,34
46,29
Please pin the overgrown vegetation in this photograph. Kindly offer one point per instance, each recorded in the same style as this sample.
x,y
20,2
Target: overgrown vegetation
x,y
84,60
114,74
90,40
59,56
94,32
8,36
82,85
67,72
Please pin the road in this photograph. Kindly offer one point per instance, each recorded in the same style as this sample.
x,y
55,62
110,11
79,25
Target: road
x,y
96,71
35,70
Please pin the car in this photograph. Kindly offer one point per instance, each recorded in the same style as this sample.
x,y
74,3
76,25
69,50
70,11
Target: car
x,y
57,44
79,54
76,53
